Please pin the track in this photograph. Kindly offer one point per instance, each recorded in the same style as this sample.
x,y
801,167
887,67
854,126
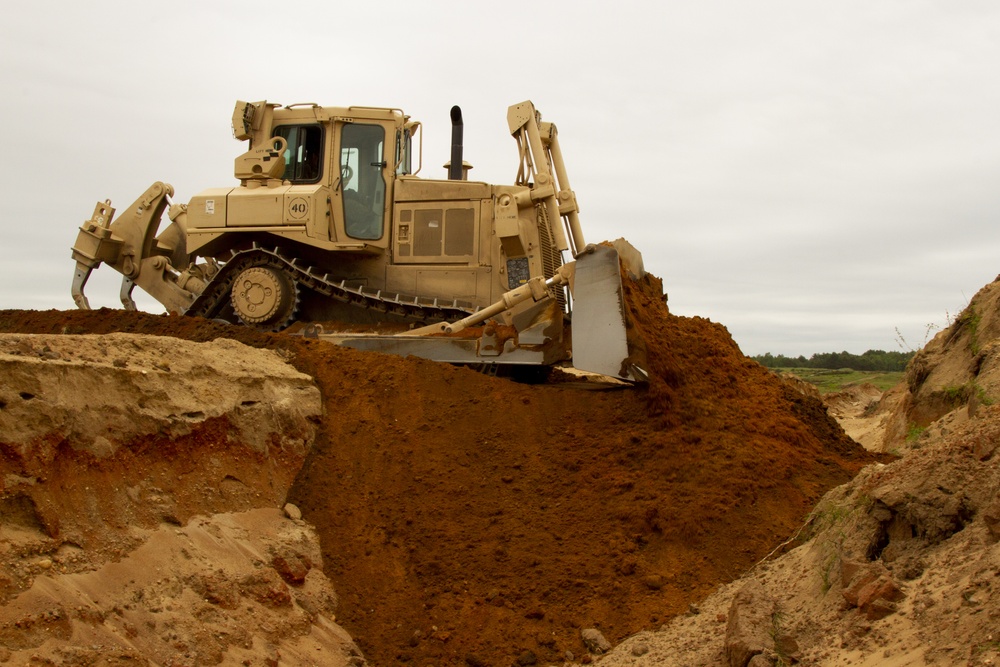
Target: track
x,y
211,302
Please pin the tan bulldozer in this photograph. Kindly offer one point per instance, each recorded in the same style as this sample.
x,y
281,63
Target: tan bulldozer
x,y
330,225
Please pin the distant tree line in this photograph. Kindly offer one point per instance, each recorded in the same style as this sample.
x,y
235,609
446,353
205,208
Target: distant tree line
x,y
872,360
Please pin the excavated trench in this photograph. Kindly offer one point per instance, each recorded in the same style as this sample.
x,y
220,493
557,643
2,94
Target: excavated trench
x,y
473,520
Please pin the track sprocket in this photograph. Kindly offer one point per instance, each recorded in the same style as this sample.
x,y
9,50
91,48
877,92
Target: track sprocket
x,y
264,297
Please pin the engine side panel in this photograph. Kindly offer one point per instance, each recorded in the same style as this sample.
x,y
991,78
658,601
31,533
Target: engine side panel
x,y
256,207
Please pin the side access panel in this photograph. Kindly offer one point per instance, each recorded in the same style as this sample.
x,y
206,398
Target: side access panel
x,y
256,207
207,209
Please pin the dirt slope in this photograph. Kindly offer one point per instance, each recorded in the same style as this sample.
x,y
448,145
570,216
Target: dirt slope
x,y
957,368
471,520
899,567
139,484
234,588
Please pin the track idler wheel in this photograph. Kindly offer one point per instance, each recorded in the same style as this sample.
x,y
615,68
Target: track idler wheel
x,y
264,298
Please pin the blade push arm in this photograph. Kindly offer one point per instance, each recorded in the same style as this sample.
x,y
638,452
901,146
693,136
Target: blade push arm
x,y
536,289
542,164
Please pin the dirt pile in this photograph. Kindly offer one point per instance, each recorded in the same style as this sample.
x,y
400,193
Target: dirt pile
x,y
900,566
958,368
97,393
111,446
233,588
100,434
471,520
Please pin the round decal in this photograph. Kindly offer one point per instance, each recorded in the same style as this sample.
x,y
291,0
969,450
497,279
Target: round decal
x,y
298,208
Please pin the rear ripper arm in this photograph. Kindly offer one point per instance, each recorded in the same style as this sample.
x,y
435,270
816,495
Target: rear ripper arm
x,y
130,245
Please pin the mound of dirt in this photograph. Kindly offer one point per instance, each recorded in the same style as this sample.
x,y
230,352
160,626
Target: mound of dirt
x,y
100,434
953,374
233,588
471,520
899,567
98,392
110,447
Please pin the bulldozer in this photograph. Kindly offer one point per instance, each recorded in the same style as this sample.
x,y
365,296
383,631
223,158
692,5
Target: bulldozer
x,y
332,233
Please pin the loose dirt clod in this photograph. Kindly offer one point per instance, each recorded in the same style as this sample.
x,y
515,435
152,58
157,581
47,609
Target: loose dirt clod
x,y
467,517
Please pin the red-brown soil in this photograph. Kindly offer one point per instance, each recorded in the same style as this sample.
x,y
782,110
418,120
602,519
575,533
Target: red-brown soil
x,y
466,519
900,567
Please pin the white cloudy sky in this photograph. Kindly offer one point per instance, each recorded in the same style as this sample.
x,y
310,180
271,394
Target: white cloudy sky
x,y
813,175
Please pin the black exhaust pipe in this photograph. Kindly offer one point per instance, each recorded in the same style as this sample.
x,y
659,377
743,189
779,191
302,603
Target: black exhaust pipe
x,y
455,168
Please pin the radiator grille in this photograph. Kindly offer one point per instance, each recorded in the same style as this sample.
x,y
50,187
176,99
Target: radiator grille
x,y
551,256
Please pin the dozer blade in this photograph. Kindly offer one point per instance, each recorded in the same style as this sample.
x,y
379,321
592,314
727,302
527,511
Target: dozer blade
x,y
601,342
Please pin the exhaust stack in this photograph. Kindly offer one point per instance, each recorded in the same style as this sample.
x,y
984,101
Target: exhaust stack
x,y
455,171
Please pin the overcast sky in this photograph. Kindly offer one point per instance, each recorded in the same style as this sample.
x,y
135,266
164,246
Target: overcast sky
x,y
813,175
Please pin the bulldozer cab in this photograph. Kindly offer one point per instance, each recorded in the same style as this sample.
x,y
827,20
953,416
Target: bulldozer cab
x,y
348,159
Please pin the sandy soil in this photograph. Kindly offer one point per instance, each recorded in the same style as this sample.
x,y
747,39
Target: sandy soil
x,y
898,567
469,520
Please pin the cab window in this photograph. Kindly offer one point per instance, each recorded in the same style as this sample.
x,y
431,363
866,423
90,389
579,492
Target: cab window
x,y
403,153
303,156
362,162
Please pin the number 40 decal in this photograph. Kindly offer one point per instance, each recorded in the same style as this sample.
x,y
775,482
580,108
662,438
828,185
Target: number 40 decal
x,y
298,208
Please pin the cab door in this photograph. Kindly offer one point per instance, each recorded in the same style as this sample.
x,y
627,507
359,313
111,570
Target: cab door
x,y
363,181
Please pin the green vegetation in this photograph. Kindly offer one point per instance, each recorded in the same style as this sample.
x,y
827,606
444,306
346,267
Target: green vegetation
x,y
829,381
833,371
828,563
971,318
984,399
989,645
958,395
778,634
961,394
872,360
914,432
